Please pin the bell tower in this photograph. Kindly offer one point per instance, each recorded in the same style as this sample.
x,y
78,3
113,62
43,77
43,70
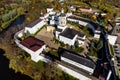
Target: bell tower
x,y
62,18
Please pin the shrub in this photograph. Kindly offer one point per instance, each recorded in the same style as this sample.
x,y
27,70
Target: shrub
x,y
62,44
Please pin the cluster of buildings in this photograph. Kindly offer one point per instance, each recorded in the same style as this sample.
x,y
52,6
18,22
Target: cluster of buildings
x,y
68,35
63,33
31,45
80,8
86,23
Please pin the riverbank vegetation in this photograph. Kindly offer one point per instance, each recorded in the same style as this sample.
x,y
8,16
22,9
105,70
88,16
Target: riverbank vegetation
x,y
9,11
20,61
111,7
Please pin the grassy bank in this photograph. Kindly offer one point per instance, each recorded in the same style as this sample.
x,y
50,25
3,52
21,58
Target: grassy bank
x,y
111,50
6,24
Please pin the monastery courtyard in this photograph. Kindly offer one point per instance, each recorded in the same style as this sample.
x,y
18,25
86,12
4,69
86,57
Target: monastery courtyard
x,y
47,37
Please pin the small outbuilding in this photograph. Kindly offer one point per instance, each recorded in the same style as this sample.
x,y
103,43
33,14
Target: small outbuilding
x,y
50,28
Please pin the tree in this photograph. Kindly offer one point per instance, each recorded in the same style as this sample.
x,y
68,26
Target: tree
x,y
5,17
57,5
114,15
99,45
76,44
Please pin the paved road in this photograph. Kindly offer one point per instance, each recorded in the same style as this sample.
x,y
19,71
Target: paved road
x,y
107,55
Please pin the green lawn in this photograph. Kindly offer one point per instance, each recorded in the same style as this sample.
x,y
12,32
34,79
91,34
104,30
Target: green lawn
x,y
111,50
84,29
66,76
54,53
76,49
38,65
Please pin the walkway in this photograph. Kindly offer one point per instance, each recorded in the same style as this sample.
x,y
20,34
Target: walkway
x,y
37,58
73,73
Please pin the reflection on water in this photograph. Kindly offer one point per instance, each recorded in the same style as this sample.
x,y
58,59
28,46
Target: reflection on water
x,y
13,25
5,72
9,74
18,21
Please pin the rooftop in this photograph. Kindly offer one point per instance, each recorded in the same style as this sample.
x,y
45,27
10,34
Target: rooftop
x,y
59,30
62,15
78,59
117,20
70,33
32,43
34,23
118,40
96,26
85,7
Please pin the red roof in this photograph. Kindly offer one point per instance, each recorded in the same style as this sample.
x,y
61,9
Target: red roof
x,y
32,43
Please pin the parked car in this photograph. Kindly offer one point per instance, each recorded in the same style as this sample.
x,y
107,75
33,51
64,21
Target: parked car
x,y
118,67
118,58
115,46
118,64
116,49
118,61
117,52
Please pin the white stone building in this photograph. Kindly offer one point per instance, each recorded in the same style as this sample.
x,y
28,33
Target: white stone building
x,y
73,73
52,22
112,39
70,36
97,33
78,62
50,28
35,26
117,21
49,10
62,19
33,47
85,9
87,23
73,8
